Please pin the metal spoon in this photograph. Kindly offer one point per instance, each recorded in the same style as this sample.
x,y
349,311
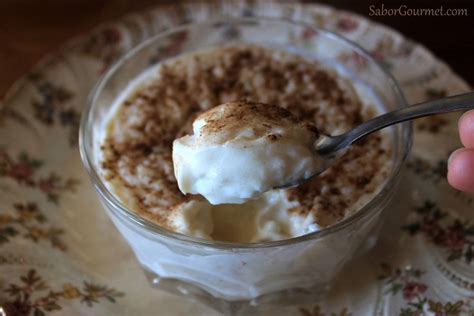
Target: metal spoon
x,y
332,147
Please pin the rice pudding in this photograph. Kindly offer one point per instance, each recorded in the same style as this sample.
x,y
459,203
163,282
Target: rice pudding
x,y
160,106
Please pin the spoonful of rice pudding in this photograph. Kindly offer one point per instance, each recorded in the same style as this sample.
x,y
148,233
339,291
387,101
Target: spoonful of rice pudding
x,y
240,150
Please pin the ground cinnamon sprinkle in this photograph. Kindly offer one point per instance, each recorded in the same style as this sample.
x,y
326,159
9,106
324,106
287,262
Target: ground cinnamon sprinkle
x,y
261,117
137,149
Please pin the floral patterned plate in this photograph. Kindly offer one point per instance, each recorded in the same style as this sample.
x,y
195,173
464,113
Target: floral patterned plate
x,y
60,255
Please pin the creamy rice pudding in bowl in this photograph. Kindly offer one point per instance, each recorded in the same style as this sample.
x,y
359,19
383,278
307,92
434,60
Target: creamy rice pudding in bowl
x,y
281,247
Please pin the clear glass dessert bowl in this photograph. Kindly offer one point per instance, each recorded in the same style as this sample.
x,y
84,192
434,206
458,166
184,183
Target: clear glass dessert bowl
x,y
234,276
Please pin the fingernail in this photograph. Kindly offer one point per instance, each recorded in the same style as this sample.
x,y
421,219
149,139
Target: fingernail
x,y
453,154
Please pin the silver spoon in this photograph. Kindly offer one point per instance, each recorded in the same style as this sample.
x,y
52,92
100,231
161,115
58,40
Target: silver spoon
x,y
332,147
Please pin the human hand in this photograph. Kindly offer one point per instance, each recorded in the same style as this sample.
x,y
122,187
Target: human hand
x,y
461,161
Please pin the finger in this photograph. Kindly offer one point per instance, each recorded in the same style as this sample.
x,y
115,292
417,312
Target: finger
x,y
466,129
461,169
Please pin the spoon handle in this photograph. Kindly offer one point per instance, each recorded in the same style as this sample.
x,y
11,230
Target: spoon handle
x,y
444,105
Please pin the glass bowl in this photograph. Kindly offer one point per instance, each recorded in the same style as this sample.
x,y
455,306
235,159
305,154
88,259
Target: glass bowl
x,y
230,276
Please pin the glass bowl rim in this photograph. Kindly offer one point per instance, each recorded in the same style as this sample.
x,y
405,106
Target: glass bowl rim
x,y
143,223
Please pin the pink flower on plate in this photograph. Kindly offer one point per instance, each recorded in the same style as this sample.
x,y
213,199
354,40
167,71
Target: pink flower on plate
x,y
432,229
413,289
378,55
22,172
347,24
308,33
454,239
46,185
358,60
